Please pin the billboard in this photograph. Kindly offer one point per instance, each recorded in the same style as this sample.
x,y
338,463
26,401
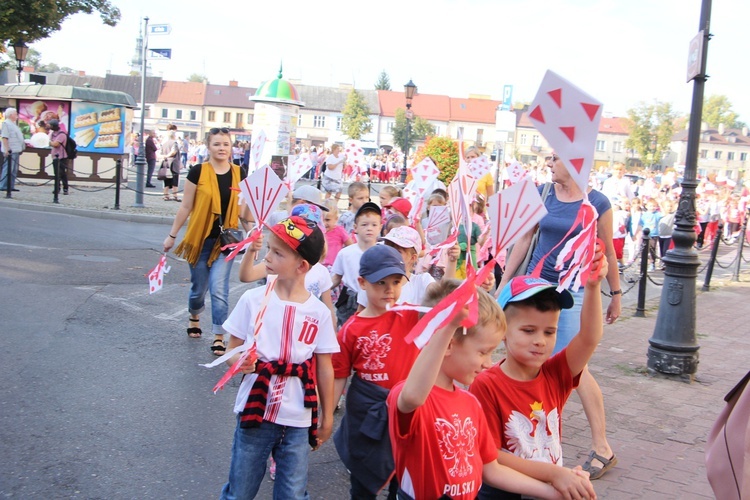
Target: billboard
x,y
100,128
31,111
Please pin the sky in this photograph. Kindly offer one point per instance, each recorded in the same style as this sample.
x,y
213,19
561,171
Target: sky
x,y
622,52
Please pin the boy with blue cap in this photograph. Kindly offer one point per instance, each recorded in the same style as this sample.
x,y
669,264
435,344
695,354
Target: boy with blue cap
x,y
523,395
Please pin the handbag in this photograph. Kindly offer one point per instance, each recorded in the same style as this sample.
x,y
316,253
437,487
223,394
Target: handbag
x,y
229,236
521,270
165,170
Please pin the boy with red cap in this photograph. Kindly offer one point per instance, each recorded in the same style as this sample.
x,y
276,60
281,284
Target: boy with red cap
x,y
277,402
524,394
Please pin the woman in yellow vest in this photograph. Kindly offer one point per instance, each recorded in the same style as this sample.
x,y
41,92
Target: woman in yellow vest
x,y
209,200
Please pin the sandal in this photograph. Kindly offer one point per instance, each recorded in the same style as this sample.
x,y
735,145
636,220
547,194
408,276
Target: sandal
x,y
194,332
218,348
597,472
175,198
166,198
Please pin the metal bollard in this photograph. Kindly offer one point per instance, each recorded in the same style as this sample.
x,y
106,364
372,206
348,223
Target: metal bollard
x,y
740,246
640,310
56,168
714,250
118,178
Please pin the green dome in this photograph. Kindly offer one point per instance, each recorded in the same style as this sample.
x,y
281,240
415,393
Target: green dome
x,y
278,90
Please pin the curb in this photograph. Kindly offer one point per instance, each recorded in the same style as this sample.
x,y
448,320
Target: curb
x,y
85,212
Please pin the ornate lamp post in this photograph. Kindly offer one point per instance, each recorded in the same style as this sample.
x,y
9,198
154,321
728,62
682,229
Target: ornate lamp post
x,y
21,49
409,90
673,348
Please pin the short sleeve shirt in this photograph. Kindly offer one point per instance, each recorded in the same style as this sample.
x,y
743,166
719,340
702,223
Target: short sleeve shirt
x,y
346,265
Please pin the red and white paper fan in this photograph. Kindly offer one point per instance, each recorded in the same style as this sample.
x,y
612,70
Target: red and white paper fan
x,y
299,167
513,212
257,146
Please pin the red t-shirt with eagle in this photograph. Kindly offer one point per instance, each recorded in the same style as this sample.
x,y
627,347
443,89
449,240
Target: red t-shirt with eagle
x,y
375,349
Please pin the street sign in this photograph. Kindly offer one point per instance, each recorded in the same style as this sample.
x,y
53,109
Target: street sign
x,y
159,29
507,98
161,53
695,56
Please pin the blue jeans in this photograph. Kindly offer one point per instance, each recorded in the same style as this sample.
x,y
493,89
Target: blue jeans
x,y
570,322
250,450
214,279
13,158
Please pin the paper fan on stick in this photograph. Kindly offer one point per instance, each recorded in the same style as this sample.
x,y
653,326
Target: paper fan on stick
x,y
513,212
298,168
257,145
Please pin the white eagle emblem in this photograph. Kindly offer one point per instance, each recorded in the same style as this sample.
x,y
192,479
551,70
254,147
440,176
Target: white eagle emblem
x,y
540,443
374,347
457,443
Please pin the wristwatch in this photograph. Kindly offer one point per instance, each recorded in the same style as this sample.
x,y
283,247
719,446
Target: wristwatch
x,y
615,292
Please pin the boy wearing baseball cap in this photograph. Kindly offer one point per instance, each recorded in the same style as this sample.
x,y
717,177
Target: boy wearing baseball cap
x,y
345,269
277,402
524,394
372,345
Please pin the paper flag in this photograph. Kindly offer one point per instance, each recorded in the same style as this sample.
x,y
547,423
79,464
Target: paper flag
x,y
263,190
460,205
569,119
156,275
424,174
515,172
478,167
416,211
257,145
355,156
439,215
579,251
513,212
298,167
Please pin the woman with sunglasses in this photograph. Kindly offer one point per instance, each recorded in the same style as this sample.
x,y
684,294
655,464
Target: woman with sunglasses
x,y
208,202
562,202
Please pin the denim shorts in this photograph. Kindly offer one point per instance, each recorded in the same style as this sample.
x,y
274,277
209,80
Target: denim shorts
x,y
569,323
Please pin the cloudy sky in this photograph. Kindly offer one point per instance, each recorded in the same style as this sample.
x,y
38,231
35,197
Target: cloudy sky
x,y
620,51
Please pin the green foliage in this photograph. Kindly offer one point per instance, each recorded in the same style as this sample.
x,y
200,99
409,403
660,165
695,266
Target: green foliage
x,y
422,128
444,152
37,19
197,77
718,110
651,129
399,131
356,116
34,59
383,83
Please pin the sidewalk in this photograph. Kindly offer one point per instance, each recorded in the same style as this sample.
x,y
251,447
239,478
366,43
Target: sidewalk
x,y
656,426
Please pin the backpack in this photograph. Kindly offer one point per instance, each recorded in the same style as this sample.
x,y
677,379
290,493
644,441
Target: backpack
x,y
71,148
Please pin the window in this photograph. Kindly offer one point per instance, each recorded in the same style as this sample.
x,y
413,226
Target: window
x,y
339,121
601,145
704,153
212,116
164,113
178,114
460,132
717,155
299,120
249,118
192,115
319,121
743,156
389,127
437,131
535,140
523,140
730,155
227,117
480,135
238,120
617,147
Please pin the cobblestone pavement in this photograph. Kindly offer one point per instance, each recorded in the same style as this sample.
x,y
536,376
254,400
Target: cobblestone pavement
x,y
657,426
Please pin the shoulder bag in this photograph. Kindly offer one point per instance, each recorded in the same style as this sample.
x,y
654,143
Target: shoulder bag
x,y
521,270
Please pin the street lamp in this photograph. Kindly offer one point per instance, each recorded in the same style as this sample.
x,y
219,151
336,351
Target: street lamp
x,y
21,49
409,90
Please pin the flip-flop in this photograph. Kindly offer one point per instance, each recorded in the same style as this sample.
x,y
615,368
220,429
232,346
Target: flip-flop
x,y
597,472
194,332
218,348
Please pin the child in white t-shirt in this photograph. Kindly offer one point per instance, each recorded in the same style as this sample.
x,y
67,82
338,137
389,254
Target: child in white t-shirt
x,y
277,403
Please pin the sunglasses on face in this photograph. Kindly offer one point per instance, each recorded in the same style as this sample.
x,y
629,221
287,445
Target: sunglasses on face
x,y
215,131
551,158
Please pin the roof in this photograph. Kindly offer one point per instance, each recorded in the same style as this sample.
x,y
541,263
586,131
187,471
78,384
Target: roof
x,y
188,93
229,97
713,136
67,92
615,125
334,99
427,106
96,82
473,110
132,85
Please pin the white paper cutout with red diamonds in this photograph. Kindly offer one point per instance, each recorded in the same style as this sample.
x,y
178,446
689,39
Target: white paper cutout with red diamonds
x,y
515,172
479,167
257,145
424,174
569,119
513,212
355,156
156,275
299,166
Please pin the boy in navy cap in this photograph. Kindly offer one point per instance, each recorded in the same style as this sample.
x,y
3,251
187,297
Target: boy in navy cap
x,y
372,345
524,394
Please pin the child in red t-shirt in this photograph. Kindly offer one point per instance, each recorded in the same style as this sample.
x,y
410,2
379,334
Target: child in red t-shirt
x,y
441,443
524,394
372,344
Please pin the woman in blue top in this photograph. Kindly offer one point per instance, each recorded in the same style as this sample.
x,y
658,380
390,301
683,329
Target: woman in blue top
x,y
562,202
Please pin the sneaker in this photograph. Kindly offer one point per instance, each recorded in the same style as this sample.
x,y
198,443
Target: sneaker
x,y
651,268
65,191
150,186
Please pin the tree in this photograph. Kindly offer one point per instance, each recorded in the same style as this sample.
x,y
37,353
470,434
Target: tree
x,y
37,19
383,83
197,77
651,129
422,128
356,120
444,152
718,110
399,131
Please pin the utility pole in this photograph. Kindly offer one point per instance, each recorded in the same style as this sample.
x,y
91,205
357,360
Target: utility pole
x,y
140,160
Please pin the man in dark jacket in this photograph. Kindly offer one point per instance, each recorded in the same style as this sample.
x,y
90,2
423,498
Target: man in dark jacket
x,y
150,156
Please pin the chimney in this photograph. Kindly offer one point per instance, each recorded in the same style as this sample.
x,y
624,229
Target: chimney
x,y
81,73
744,131
721,129
704,126
233,83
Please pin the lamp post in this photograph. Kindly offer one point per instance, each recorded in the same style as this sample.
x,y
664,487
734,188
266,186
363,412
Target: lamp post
x,y
20,49
673,348
409,90
140,160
